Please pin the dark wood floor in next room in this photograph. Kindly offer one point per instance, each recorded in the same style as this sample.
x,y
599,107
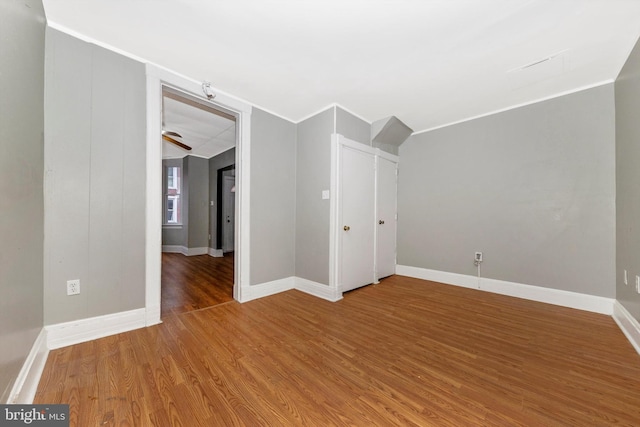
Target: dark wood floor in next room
x,y
195,282
403,352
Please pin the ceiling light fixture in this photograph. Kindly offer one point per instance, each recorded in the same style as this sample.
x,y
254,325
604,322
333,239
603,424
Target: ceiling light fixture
x,y
206,89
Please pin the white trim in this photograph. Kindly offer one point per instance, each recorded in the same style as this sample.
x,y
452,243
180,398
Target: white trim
x,y
268,288
334,219
281,285
559,297
153,190
153,312
54,25
197,251
26,384
91,40
77,331
216,253
388,156
317,289
376,189
352,113
242,238
513,107
174,249
156,78
322,110
629,326
338,142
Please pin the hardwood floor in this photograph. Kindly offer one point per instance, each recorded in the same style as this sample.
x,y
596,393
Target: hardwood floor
x,y
195,282
404,352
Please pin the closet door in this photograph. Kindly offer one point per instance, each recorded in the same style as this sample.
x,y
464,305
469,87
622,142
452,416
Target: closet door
x,y
356,218
386,201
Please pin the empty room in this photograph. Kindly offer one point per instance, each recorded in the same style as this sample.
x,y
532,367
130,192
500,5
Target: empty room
x,y
317,213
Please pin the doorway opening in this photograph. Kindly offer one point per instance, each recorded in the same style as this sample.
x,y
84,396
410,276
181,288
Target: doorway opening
x,y
199,140
225,224
157,79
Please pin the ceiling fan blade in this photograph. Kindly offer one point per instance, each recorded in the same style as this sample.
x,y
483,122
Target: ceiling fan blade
x,y
170,133
178,143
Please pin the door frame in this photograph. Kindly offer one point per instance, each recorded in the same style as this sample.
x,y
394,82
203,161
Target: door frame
x,y
219,205
337,141
156,78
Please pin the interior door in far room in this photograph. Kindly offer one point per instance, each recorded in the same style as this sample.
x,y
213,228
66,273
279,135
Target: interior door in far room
x,y
386,221
356,218
228,211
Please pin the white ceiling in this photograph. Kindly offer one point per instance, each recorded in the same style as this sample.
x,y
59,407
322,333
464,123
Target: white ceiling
x,y
206,131
428,62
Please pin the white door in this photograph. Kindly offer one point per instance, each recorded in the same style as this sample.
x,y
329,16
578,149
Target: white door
x,y
386,192
228,213
356,218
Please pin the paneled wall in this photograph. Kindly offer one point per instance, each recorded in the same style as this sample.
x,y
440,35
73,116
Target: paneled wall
x,y
21,173
94,180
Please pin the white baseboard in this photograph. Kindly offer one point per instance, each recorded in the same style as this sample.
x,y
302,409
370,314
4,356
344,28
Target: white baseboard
x,y
26,385
68,333
152,315
174,249
267,288
276,286
197,251
559,297
177,249
317,289
438,276
216,253
629,326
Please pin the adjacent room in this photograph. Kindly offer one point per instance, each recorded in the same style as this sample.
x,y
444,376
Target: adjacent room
x,y
321,213
198,206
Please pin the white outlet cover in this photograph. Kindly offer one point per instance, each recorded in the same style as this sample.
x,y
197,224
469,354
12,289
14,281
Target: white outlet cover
x,y
73,287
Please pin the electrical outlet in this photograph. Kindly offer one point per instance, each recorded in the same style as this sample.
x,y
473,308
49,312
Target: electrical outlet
x,y
73,287
626,278
478,257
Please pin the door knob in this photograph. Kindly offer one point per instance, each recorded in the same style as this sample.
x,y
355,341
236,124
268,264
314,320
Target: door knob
x,y
381,222
347,228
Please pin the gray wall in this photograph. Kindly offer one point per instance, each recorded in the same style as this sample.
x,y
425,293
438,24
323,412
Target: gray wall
x,y
273,185
627,94
533,188
313,172
21,175
352,127
198,214
94,180
174,235
220,161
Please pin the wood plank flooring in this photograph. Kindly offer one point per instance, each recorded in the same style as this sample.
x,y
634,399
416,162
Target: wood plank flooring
x,y
195,282
404,352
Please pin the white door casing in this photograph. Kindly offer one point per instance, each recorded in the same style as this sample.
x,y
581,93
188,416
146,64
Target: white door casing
x,y
228,213
353,261
386,218
357,217
156,78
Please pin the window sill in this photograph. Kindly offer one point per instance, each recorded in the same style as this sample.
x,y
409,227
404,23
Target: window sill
x,y
171,226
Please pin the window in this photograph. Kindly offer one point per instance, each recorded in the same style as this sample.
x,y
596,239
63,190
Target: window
x,y
172,200
172,177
